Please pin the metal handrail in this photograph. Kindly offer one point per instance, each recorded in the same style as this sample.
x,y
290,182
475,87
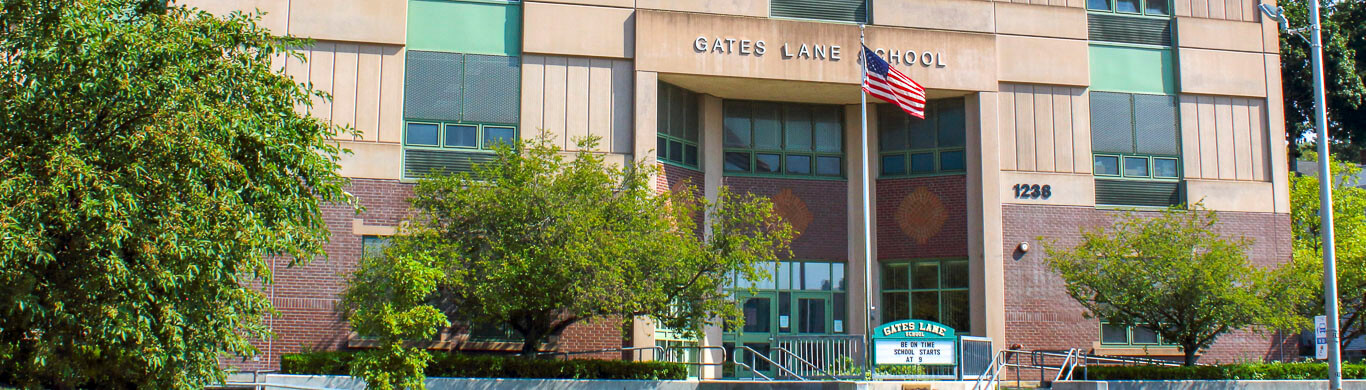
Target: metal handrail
x,y
266,385
804,361
753,354
994,369
666,352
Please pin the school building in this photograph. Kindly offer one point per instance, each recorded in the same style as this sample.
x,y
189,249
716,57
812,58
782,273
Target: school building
x,y
1045,116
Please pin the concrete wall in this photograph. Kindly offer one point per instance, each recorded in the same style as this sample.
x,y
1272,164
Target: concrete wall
x,y
574,97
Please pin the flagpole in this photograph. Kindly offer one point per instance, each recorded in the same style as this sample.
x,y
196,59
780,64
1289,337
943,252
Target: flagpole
x,y
867,217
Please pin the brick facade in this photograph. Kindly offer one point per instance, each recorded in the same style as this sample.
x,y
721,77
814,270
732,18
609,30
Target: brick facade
x,y
817,209
306,296
1040,314
924,217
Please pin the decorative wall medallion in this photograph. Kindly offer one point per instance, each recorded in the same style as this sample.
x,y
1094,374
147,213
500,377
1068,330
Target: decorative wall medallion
x,y
921,215
793,210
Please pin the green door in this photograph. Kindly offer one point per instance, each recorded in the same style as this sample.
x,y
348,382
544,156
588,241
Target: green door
x,y
757,334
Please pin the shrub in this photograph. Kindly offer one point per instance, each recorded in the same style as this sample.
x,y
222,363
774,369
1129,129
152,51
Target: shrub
x,y
490,366
1246,371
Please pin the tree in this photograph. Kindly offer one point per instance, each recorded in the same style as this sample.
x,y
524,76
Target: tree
x,y
1344,38
1172,273
539,242
1349,226
151,162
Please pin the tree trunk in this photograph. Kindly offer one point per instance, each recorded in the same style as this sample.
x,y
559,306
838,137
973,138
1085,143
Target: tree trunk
x,y
531,345
1190,354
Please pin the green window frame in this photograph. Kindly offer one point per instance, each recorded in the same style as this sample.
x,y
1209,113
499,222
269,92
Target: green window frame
x,y
783,139
927,289
1114,335
1150,8
678,126
939,148
486,135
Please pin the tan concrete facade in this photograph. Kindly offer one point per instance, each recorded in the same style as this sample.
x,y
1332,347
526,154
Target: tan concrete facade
x,y
1022,68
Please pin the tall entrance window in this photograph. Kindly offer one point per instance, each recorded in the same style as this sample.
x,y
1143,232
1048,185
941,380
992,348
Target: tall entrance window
x,y
677,126
803,298
912,146
934,290
783,139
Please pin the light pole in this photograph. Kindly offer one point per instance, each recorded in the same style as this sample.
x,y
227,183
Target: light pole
x,y
1330,275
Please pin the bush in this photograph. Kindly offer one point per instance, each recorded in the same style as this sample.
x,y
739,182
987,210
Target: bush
x,y
1268,371
490,366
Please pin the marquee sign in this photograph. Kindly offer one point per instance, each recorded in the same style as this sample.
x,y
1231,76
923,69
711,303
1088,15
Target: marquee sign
x,y
917,342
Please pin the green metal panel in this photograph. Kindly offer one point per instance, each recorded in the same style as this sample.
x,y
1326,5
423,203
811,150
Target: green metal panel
x,y
465,27
853,11
1132,69
1145,193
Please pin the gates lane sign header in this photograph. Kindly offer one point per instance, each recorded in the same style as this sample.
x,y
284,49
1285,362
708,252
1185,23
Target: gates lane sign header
x,y
914,342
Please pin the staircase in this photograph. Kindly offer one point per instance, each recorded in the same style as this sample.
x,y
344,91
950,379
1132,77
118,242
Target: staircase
x,y
1050,367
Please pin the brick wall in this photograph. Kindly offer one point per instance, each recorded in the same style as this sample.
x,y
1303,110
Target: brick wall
x,y
925,217
306,295
818,209
1040,314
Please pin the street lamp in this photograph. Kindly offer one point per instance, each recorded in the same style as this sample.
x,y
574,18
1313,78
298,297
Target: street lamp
x,y
1330,282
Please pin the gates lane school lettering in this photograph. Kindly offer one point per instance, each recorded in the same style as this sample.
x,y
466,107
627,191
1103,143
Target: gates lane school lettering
x,y
916,331
829,52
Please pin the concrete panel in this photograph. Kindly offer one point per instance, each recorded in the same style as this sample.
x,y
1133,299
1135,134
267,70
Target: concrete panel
x,y
1025,155
1218,34
600,102
1064,64
1081,130
604,3
757,8
646,116
1051,22
371,160
1222,73
275,12
533,95
345,74
1043,129
1274,123
1190,137
576,103
956,15
391,94
669,42
1223,133
320,72
1006,125
1068,189
373,21
1062,130
622,91
1242,140
368,95
1256,115
556,85
1224,195
579,30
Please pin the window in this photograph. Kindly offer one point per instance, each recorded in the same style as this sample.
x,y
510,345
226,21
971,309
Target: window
x,y
457,107
801,297
371,246
1131,7
678,126
934,290
1135,136
500,332
851,11
783,139
912,146
1136,146
1130,335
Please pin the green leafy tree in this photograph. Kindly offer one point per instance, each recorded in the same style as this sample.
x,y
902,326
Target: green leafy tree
x,y
539,241
1349,226
1173,273
151,161
1344,39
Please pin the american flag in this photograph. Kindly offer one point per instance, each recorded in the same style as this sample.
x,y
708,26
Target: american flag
x,y
889,84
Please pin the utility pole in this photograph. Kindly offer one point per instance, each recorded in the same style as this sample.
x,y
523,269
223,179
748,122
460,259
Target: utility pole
x,y
1330,274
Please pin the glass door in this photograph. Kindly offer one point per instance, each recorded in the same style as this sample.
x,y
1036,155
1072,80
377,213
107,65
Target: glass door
x,y
757,333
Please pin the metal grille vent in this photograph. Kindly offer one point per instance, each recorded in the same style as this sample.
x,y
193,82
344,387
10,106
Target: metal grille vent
x,y
492,84
1130,29
853,11
432,85
419,162
1137,193
1111,122
1155,130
